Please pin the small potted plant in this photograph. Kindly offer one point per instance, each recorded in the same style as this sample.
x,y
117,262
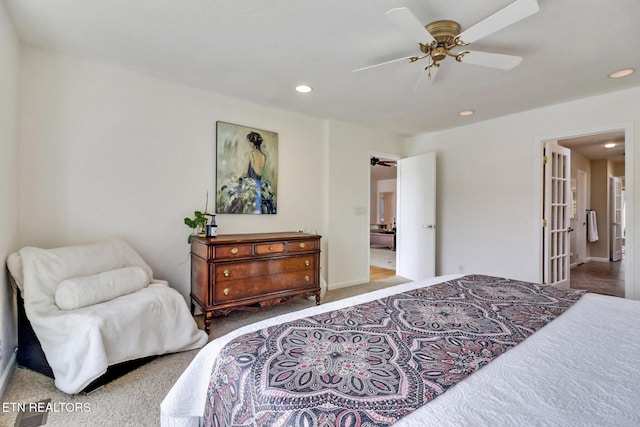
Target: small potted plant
x,y
198,223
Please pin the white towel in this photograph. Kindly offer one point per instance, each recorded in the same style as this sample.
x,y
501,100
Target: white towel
x,y
592,226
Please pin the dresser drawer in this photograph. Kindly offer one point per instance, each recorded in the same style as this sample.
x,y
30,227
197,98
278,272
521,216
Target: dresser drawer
x,y
232,251
238,289
302,245
269,248
263,268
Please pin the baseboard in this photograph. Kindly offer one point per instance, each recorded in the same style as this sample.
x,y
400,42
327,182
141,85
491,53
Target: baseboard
x,y
347,284
596,259
6,375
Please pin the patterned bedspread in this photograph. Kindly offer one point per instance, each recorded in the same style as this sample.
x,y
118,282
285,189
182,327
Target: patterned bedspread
x,y
373,363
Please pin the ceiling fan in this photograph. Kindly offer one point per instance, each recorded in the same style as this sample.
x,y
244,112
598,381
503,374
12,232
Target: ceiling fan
x,y
377,161
439,39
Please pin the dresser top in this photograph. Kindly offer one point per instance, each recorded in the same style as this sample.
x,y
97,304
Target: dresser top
x,y
255,237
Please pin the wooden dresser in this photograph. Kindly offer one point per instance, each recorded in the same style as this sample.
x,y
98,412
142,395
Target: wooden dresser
x,y
252,271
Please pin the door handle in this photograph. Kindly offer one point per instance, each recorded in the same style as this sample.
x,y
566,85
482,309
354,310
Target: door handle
x,y
430,226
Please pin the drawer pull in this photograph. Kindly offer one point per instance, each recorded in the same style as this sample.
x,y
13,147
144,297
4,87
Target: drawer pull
x,y
307,278
226,291
307,263
234,250
226,273
271,248
302,245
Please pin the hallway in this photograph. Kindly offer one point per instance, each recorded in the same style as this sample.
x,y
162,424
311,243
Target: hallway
x,y
605,278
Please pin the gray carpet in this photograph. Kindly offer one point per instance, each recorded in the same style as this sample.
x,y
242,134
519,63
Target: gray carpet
x,y
382,257
134,399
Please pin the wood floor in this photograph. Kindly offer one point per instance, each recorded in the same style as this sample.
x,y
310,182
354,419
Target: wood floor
x,y
379,273
605,278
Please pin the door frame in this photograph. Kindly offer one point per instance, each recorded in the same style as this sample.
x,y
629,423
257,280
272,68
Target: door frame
x,y
581,191
627,127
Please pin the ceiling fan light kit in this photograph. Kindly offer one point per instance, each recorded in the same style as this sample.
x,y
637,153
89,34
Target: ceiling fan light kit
x,y
439,39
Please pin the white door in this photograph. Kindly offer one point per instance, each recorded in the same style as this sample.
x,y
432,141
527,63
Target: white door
x,y
416,233
557,205
616,219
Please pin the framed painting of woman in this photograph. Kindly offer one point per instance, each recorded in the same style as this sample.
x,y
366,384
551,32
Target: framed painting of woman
x,y
246,170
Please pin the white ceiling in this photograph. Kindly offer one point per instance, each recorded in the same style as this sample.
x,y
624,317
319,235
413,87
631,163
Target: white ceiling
x,y
593,146
379,172
260,50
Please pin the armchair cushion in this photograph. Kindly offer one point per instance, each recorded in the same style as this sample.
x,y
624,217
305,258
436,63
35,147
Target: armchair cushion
x,y
96,288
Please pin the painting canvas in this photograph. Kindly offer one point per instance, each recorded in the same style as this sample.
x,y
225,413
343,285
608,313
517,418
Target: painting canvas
x,y
246,170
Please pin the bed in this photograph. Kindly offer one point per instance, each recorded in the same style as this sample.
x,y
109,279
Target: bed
x,y
387,239
380,237
580,368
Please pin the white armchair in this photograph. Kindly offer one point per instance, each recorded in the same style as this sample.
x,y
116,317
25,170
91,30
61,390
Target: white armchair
x,y
96,305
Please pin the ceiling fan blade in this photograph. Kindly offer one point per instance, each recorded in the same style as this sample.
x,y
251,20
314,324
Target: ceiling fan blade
x,y
406,58
494,60
407,22
511,14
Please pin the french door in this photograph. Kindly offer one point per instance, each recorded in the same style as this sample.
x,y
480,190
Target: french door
x,y
556,214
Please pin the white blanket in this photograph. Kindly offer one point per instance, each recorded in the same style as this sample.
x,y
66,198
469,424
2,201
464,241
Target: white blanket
x,y
80,344
581,369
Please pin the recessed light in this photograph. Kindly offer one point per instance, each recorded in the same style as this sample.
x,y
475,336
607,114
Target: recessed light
x,y
304,88
621,73
466,113
609,145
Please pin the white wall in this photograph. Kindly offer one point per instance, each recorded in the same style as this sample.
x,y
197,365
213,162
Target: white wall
x,y
104,151
9,60
386,186
380,174
349,193
579,162
489,181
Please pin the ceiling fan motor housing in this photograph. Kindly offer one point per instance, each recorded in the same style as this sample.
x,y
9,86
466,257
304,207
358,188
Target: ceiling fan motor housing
x,y
445,33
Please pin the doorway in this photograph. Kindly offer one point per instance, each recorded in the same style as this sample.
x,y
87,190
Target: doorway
x,y
382,217
600,177
414,236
